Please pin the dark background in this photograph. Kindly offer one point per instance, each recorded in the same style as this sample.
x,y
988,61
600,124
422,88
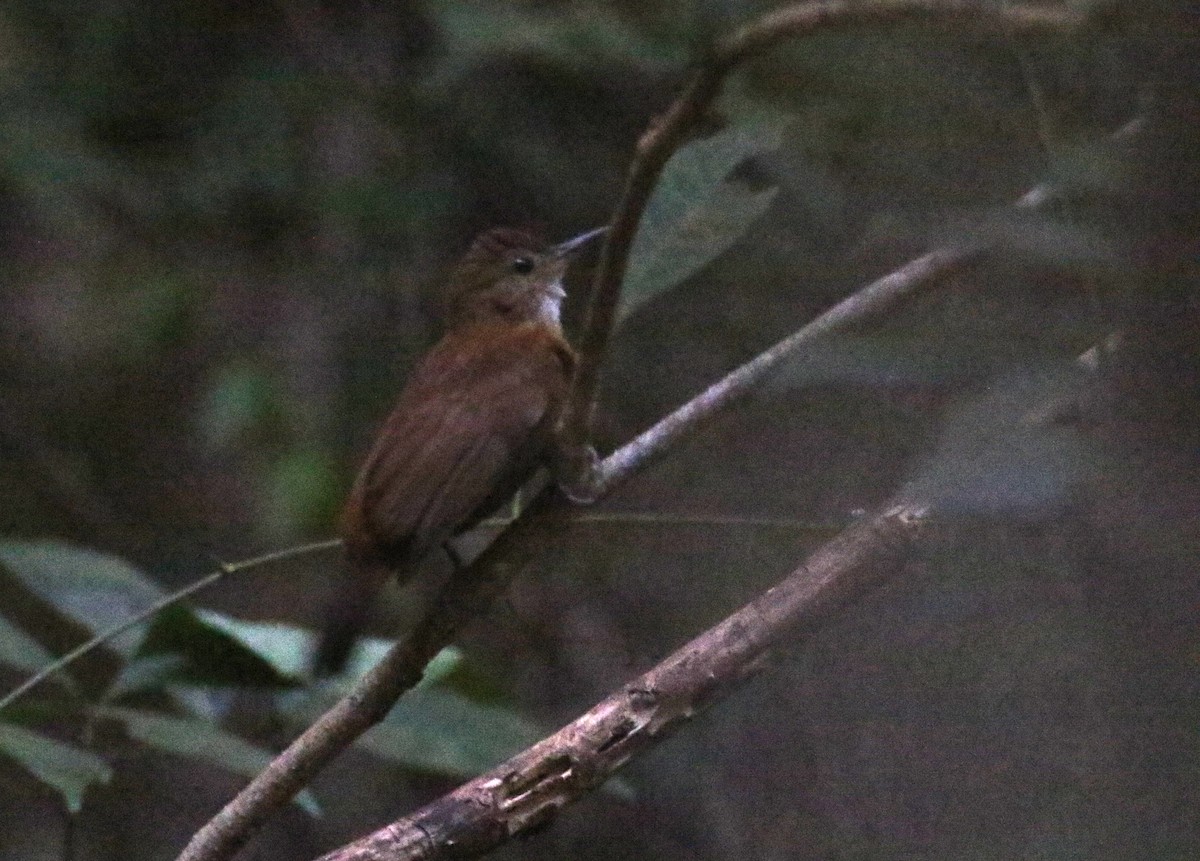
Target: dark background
x,y
222,228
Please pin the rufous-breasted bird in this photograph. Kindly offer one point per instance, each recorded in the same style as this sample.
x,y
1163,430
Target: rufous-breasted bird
x,y
477,417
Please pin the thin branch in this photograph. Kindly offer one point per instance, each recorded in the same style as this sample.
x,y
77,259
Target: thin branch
x,y
871,301
656,145
672,129
154,609
463,597
530,788
802,19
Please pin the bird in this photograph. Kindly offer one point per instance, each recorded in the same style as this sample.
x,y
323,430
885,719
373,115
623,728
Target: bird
x,y
478,415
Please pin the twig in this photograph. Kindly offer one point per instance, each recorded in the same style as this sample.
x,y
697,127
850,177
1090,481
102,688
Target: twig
x,y
154,609
672,129
470,592
530,788
870,301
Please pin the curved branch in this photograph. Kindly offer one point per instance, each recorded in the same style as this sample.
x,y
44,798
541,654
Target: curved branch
x,y
668,132
801,19
531,787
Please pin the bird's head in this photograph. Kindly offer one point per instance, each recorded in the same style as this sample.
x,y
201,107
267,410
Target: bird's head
x,y
512,275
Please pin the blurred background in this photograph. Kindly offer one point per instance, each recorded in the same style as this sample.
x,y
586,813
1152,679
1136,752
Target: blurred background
x,y
222,229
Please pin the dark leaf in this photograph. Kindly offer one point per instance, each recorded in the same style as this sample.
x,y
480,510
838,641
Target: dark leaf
x,y
18,649
96,590
211,655
697,212
438,730
66,768
202,741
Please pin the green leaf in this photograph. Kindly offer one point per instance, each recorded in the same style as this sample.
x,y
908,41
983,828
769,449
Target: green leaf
x,y
436,728
96,590
211,655
577,38
285,648
149,673
18,649
697,212
439,730
201,741
288,649
432,729
69,769
369,650
445,663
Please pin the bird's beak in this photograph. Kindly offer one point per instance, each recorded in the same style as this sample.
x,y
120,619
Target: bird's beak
x,y
564,249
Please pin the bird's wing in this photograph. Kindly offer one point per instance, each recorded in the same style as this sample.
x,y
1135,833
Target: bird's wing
x,y
462,433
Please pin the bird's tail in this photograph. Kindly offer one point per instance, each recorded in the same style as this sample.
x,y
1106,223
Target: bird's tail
x,y
347,614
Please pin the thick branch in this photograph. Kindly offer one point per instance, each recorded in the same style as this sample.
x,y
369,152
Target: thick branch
x,y
529,789
672,129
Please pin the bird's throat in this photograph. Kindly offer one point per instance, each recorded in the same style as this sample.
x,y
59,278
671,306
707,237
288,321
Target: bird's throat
x,y
550,307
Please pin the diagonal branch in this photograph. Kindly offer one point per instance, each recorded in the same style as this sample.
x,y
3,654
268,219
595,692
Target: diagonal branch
x,y
531,787
871,301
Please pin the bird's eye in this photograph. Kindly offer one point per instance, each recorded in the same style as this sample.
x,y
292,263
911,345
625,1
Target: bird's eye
x,y
523,265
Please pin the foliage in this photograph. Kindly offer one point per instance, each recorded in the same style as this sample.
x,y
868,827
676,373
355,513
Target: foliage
x,y
65,767
698,211
221,231
170,691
